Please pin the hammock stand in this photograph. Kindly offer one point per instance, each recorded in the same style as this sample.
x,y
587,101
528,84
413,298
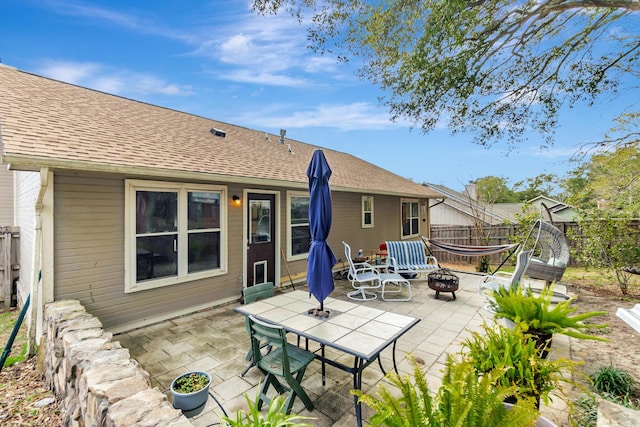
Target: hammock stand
x,y
469,250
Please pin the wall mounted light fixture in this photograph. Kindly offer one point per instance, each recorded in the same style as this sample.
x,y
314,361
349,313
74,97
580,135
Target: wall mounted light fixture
x,y
236,200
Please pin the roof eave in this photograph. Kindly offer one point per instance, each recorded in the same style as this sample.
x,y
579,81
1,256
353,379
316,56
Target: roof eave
x,y
34,163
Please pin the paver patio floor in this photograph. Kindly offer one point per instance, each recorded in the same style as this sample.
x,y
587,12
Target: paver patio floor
x,y
216,341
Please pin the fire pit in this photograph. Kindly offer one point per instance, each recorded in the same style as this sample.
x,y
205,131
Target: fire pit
x,y
443,280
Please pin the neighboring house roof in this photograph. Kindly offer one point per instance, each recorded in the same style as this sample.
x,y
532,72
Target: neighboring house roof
x,y
501,212
44,122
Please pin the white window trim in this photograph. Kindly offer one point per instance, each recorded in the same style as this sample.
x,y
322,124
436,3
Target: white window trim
x,y
409,236
131,186
364,224
291,194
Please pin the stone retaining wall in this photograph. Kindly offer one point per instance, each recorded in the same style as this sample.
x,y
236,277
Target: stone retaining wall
x,y
95,378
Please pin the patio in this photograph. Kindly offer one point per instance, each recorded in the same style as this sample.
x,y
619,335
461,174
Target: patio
x,y
216,341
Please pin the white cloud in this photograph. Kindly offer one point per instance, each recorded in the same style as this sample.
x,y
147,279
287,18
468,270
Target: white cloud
x,y
553,153
252,48
270,50
70,72
347,117
132,22
111,80
263,78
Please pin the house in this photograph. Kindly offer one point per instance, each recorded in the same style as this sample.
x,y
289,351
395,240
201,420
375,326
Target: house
x,y
143,213
559,211
462,208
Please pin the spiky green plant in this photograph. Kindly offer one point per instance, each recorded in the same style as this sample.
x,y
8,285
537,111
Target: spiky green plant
x,y
463,399
275,416
540,314
614,381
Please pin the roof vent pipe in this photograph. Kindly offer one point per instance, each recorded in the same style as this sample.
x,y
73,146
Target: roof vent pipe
x,y
283,132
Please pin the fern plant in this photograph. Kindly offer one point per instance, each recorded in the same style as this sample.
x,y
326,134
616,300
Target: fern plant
x,y
538,313
463,399
514,353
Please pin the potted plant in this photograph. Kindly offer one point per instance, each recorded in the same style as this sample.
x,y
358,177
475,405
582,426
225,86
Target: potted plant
x,y
464,398
540,316
190,390
513,353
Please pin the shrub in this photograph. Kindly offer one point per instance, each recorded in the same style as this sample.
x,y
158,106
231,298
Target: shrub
x,y
275,416
463,399
538,313
514,353
613,381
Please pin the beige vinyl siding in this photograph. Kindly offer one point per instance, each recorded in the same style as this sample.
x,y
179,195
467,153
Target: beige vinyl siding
x,y
89,258
27,185
347,222
6,197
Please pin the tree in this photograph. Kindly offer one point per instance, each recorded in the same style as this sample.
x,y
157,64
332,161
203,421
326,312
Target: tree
x,y
495,67
481,201
541,185
606,191
493,189
609,180
608,241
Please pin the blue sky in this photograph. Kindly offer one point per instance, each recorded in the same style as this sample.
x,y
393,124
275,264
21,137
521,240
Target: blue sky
x,y
219,60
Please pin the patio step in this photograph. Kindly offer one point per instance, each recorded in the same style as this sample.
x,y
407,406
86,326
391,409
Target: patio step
x,y
631,316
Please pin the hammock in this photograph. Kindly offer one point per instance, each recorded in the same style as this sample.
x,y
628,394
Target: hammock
x,y
466,250
470,250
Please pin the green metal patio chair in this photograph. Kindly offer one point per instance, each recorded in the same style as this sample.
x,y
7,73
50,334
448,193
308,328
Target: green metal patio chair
x,y
251,294
285,362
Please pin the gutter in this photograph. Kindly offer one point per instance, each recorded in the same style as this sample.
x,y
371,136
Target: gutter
x,y
34,163
439,203
36,313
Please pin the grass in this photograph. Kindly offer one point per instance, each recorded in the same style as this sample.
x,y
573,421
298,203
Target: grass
x,y
18,352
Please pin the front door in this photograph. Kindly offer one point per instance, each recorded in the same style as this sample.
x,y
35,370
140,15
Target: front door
x,y
261,249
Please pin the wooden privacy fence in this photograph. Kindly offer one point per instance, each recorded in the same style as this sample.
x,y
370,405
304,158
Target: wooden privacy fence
x,y
498,235
466,236
9,264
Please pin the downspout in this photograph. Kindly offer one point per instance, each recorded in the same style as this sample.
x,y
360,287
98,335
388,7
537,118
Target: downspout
x,y
35,314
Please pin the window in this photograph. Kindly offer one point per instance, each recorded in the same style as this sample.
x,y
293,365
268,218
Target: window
x,y
410,218
367,211
299,235
175,231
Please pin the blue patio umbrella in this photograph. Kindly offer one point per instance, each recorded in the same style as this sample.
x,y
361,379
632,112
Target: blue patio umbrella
x,y
321,257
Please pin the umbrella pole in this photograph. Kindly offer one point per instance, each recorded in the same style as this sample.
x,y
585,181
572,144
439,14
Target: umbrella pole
x,y
284,258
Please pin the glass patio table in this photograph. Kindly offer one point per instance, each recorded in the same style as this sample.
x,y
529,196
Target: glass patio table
x,y
361,331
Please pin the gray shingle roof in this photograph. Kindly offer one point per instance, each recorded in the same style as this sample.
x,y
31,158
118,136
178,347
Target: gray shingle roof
x,y
44,122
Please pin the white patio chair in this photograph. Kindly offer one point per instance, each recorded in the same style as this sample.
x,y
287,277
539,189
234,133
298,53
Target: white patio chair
x,y
363,276
504,279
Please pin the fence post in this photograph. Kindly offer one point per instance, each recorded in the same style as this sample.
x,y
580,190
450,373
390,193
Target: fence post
x,y
5,265
8,258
